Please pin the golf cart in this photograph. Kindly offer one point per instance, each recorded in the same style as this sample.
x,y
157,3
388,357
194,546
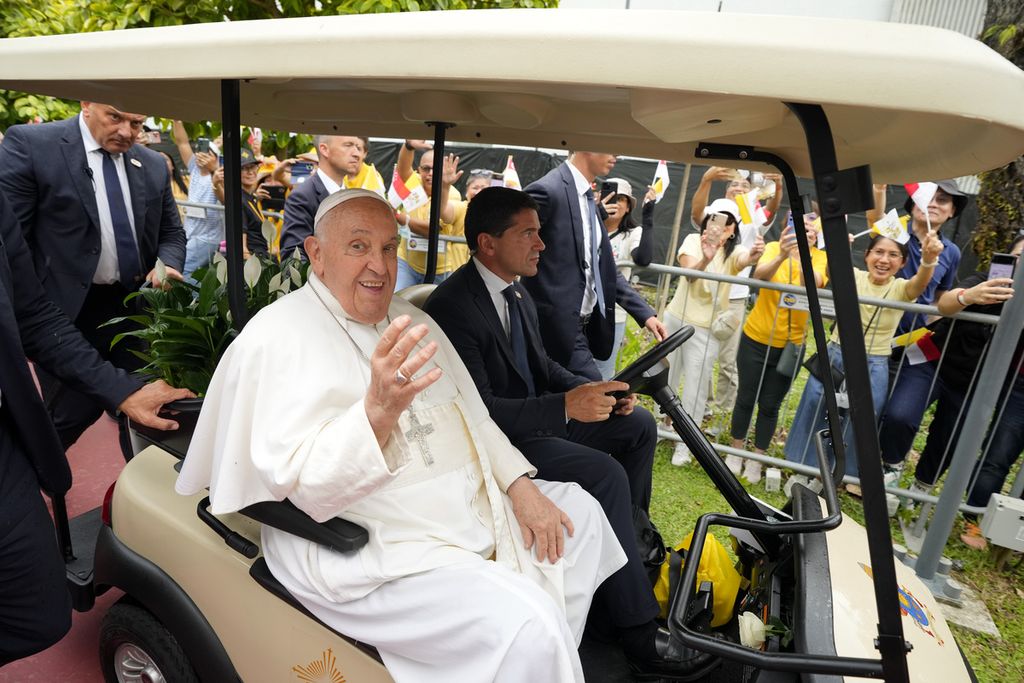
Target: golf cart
x,y
196,610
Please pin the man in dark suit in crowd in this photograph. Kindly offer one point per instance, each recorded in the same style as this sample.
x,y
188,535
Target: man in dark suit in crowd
x,y
35,606
97,212
563,424
341,157
577,285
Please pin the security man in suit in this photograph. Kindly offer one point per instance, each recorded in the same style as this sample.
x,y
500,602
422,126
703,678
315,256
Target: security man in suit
x,y
341,158
565,425
577,284
97,212
35,606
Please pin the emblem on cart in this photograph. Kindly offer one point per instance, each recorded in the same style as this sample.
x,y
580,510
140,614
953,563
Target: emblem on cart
x,y
321,670
912,607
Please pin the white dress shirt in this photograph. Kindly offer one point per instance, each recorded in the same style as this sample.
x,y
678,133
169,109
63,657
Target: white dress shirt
x,y
328,182
495,286
107,271
590,291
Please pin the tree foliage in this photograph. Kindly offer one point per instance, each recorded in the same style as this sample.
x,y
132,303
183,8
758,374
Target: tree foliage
x,y
19,18
1001,196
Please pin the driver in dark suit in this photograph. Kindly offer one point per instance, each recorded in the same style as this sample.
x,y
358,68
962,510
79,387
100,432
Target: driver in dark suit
x,y
563,423
97,212
35,606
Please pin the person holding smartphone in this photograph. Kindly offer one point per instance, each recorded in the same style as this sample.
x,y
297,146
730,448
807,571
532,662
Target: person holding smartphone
x,y
965,343
204,228
771,332
698,302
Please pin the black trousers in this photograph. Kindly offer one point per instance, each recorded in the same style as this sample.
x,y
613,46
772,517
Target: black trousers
x,y
612,461
35,606
73,412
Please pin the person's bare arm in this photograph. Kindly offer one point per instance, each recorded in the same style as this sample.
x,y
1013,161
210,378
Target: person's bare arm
x,y
994,291
405,156
700,196
875,213
776,199
182,142
930,251
218,183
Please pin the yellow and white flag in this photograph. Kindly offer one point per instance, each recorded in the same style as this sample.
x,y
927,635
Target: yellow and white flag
x,y
510,177
661,181
751,211
892,226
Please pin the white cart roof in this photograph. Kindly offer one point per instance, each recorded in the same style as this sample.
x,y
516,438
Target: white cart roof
x,y
643,83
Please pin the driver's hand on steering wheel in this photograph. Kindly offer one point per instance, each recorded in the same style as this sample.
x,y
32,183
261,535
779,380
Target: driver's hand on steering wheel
x,y
625,405
591,402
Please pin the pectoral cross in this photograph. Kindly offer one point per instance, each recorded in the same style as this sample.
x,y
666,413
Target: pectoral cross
x,y
418,434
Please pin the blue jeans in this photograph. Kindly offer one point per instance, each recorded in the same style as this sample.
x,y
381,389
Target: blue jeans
x,y
607,366
408,276
198,253
905,410
810,413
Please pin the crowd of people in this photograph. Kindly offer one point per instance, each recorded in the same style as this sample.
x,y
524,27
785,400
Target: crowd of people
x,y
485,426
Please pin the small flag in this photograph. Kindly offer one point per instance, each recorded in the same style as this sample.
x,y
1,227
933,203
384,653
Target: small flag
x,y
892,226
368,179
661,181
921,348
751,211
402,195
510,177
922,194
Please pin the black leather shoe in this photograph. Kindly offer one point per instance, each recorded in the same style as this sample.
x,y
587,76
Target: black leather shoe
x,y
674,661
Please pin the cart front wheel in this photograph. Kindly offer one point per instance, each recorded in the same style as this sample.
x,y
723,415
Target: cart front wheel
x,y
136,648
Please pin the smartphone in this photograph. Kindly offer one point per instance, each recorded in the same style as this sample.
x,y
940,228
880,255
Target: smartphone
x,y
276,200
300,171
203,145
608,189
1002,265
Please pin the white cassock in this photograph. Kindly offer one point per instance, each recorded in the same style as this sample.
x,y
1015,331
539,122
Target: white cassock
x,y
444,588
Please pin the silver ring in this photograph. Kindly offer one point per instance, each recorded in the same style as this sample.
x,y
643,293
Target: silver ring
x,y
400,378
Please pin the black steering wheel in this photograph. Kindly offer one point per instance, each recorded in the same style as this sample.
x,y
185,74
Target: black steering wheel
x,y
636,374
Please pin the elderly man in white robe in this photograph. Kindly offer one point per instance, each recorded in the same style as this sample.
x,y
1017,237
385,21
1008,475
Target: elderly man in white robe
x,y
473,571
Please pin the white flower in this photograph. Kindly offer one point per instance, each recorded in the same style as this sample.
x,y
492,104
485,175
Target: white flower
x,y
161,271
251,271
752,630
269,231
221,264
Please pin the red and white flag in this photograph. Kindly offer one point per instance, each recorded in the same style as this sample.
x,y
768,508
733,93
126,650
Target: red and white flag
x,y
922,194
400,195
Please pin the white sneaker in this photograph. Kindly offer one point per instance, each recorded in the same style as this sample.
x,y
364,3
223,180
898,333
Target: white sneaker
x,y
734,463
891,474
681,455
752,471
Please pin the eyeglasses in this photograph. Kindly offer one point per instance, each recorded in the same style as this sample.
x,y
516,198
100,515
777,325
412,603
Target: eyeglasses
x,y
426,169
482,171
879,253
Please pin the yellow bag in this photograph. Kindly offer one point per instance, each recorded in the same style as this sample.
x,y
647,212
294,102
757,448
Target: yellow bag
x,y
715,566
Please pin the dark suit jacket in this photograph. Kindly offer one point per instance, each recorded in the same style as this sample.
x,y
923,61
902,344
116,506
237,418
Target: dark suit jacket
x,y
31,325
43,173
463,308
299,211
558,286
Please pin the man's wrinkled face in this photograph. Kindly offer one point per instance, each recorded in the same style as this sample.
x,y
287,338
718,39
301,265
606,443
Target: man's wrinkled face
x,y
344,153
517,251
114,130
355,254
940,209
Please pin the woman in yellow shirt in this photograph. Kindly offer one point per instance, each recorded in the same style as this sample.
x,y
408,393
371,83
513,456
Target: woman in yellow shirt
x,y
768,330
883,258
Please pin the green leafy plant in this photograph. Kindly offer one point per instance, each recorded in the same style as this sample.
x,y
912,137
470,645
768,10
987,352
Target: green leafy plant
x,y
186,326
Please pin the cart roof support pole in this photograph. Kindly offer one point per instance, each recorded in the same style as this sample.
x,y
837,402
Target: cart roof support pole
x,y
840,193
436,200
230,129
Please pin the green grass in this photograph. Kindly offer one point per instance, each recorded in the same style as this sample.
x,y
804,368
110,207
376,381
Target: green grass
x,y
681,494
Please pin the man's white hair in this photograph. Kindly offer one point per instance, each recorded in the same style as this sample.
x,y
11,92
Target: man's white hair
x,y
332,201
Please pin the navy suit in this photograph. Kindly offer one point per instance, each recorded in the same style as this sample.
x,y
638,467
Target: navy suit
x,y
537,426
44,174
35,608
559,285
299,211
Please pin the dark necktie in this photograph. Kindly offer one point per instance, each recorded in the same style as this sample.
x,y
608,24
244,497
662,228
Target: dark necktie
x,y
124,239
595,249
517,337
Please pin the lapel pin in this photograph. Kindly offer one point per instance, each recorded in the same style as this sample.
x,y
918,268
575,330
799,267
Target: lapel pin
x,y
136,163
518,295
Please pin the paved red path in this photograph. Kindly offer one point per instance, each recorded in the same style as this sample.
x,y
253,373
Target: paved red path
x,y
96,461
